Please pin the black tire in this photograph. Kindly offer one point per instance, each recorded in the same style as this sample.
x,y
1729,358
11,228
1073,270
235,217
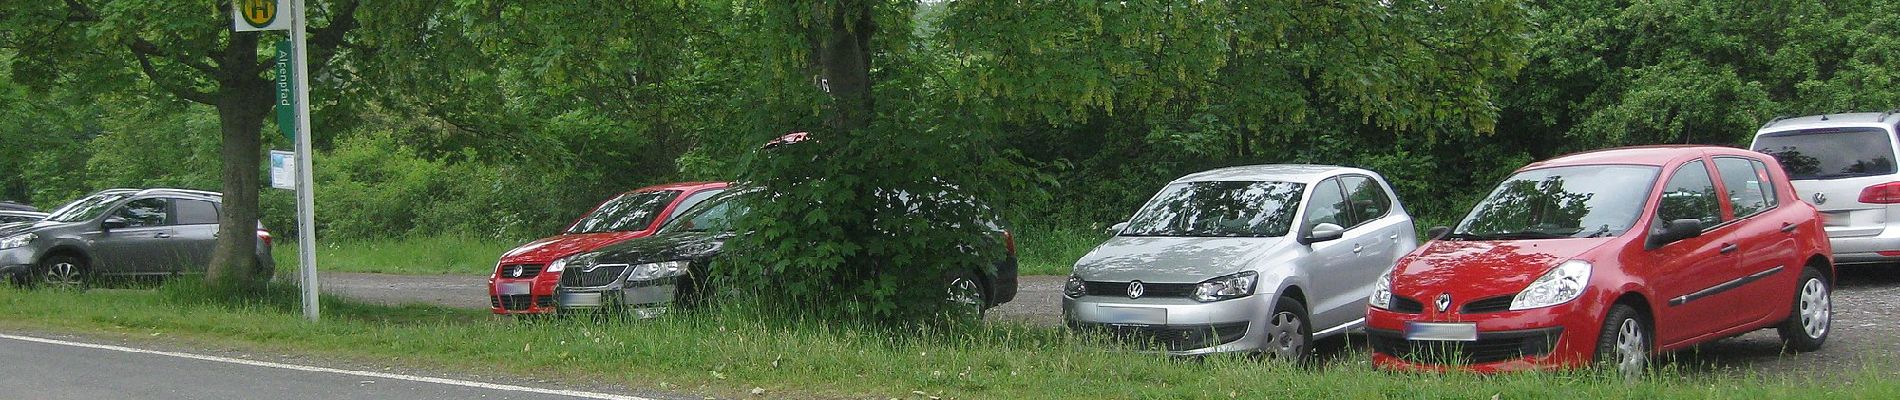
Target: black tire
x,y
263,274
1289,332
1811,316
968,295
63,271
1623,345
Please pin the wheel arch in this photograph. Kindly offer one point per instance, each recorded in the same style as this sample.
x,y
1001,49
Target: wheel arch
x,y
66,250
1821,263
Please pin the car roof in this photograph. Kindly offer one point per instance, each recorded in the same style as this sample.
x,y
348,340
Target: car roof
x,y
1297,173
1658,155
1864,119
682,186
23,212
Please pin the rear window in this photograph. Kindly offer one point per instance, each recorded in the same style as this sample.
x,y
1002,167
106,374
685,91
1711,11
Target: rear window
x,y
1831,153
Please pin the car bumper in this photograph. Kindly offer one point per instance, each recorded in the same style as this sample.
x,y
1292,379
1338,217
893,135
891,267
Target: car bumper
x,y
640,299
1867,249
17,260
1178,326
535,295
1557,337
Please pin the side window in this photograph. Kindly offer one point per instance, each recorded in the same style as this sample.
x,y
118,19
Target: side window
x,y
1767,184
143,212
1690,194
196,212
1368,199
1745,187
1328,205
692,200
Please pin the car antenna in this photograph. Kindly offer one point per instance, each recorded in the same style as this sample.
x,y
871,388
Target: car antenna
x,y
1883,116
1823,117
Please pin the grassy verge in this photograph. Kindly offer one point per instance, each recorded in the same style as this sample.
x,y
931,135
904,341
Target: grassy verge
x,y
725,354
408,256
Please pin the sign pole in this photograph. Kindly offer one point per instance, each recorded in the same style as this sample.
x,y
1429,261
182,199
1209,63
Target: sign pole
x,y
306,201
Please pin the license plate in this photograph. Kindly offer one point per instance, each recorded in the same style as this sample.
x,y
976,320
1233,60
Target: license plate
x,y
1134,315
1446,331
508,288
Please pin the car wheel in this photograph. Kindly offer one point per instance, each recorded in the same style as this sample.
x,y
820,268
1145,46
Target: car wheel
x,y
1813,313
1624,342
263,274
1289,332
966,295
63,272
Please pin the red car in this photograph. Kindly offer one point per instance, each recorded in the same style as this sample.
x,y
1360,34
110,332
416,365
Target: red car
x,y
1610,257
522,285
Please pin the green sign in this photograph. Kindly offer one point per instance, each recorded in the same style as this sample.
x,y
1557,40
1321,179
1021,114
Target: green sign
x,y
286,97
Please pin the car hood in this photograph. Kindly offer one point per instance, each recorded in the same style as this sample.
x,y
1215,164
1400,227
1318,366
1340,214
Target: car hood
x,y
548,249
1176,259
1470,270
32,226
670,246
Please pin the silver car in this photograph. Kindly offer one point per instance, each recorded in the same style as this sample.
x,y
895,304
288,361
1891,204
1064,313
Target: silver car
x,y
1844,165
1260,258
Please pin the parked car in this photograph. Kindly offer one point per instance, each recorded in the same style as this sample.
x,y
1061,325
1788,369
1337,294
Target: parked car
x,y
8,205
522,282
1610,257
648,277
1261,258
11,216
1843,164
120,232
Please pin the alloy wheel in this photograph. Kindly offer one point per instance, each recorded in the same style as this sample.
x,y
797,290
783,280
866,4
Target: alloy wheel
x,y
1816,309
63,274
1284,338
966,293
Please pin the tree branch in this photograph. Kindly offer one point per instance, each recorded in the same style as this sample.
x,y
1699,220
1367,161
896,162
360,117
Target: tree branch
x,y
145,64
146,48
325,41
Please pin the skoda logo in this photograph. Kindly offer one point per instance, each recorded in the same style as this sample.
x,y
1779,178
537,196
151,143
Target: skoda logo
x,y
1820,198
515,272
1444,301
1135,289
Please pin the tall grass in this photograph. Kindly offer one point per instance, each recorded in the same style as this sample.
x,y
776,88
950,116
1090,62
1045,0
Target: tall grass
x,y
409,256
727,353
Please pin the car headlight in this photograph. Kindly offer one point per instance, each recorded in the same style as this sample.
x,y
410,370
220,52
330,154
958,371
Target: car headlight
x,y
1382,292
1560,285
19,240
578,260
647,272
1075,288
1226,287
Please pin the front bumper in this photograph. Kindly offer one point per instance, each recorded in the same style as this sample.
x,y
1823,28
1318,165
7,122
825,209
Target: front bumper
x,y
1558,337
18,260
641,299
1178,326
534,295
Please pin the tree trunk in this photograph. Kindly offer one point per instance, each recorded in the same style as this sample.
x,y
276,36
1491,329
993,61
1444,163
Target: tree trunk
x,y
243,101
843,57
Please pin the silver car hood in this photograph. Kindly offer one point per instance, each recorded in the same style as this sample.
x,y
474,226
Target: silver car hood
x,y
1175,259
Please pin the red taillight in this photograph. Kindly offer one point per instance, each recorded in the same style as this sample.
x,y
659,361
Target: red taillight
x,y
264,236
1885,193
1009,242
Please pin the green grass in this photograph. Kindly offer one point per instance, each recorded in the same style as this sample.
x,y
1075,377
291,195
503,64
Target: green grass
x,y
728,354
408,256
1053,251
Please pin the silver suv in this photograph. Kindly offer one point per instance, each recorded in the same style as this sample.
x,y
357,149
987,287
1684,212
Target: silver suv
x,y
1258,258
120,232
1844,165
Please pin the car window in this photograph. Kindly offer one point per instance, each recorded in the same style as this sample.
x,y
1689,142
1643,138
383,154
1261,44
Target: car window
x,y
693,200
712,215
1368,199
628,212
1744,186
1690,194
1219,209
86,208
1767,184
196,212
1328,205
1558,202
1830,153
143,212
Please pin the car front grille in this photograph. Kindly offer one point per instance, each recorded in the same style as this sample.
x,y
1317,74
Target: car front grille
x,y
515,302
1490,346
1156,290
1406,305
1494,304
518,270
601,275
1171,338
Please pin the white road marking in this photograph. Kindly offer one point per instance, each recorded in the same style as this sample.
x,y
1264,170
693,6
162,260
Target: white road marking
x,y
372,374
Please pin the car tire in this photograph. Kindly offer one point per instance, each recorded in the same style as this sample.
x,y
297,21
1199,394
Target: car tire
x,y
1289,332
62,272
1624,344
1811,316
967,296
263,274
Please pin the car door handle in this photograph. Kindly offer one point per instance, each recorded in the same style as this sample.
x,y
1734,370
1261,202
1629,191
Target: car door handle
x,y
1394,236
1789,228
162,235
1730,248
1358,247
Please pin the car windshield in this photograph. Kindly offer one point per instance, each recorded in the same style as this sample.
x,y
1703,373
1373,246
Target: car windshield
x,y
86,208
1229,209
713,215
629,212
1561,202
1831,153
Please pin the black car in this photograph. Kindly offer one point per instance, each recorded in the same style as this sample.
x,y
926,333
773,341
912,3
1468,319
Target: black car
x,y
646,276
12,216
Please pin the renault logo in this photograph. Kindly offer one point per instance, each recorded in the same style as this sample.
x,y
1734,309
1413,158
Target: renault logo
x,y
1820,198
1135,289
1444,301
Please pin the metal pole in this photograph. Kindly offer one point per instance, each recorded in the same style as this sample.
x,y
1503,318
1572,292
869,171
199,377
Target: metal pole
x,y
306,199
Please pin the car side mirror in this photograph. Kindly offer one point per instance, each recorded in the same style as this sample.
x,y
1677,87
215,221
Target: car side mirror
x,y
1437,232
1323,232
1676,230
1117,228
112,223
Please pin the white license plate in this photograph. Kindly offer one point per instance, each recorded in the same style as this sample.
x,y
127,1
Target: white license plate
x,y
508,288
1134,315
1446,331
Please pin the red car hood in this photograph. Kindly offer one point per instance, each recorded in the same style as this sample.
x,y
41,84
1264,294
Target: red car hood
x,y
1473,270
548,249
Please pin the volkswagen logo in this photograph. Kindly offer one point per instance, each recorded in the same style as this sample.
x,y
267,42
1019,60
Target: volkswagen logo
x,y
515,272
1135,289
1820,198
1444,301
